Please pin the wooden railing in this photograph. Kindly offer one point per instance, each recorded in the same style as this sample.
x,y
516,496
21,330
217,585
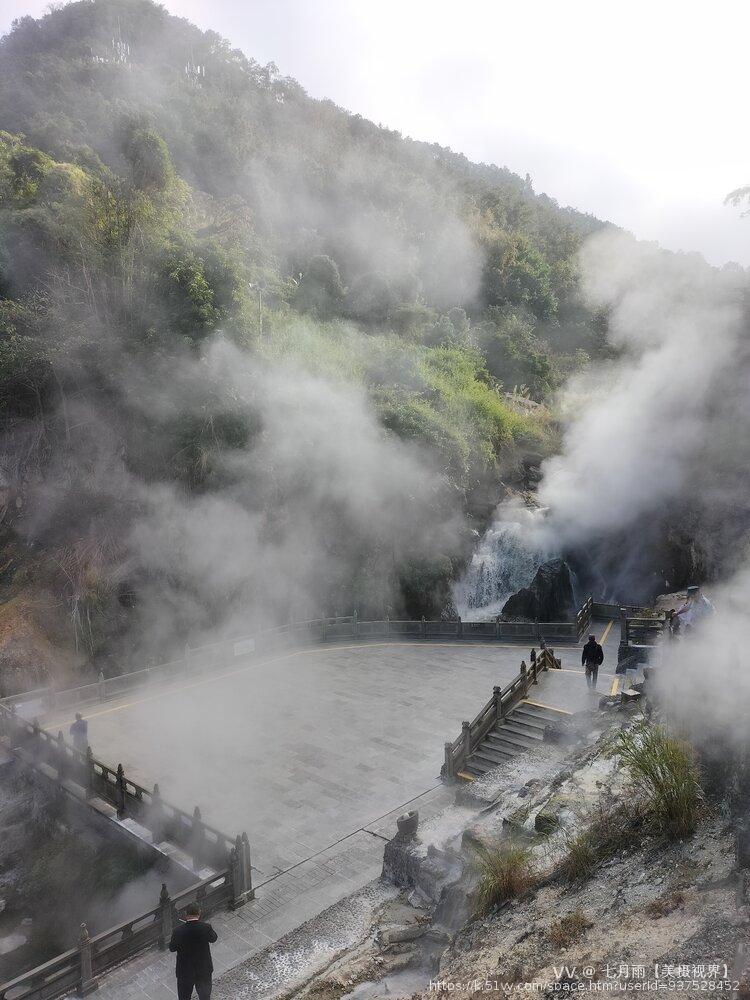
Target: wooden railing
x,y
230,885
226,655
584,617
501,702
78,968
641,630
205,844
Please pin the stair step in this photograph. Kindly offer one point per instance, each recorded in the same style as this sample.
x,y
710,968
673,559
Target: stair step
x,y
541,716
510,749
478,767
544,711
535,733
475,770
493,755
527,719
503,734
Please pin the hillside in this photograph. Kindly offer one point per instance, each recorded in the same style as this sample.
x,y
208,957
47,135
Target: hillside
x,y
259,357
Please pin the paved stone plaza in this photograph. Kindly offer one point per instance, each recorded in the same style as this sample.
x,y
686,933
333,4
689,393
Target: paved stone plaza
x,y
314,753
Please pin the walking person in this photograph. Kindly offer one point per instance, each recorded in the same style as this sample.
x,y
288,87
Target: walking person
x,y
79,733
192,941
592,658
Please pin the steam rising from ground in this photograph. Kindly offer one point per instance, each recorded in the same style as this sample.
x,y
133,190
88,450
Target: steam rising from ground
x,y
651,426
704,679
321,495
657,439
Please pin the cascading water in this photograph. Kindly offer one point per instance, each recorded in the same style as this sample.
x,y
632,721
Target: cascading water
x,y
507,557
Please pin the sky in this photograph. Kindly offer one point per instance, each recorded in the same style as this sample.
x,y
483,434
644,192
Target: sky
x,y
633,111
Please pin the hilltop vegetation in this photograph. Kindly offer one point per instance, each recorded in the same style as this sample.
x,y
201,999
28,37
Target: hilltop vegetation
x,y
171,211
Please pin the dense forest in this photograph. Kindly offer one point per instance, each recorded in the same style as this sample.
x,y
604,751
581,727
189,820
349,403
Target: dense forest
x,y
259,357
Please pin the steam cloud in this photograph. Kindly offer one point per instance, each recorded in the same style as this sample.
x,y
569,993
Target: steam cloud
x,y
655,425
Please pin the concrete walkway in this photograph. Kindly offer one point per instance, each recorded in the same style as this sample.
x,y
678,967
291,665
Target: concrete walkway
x,y
315,753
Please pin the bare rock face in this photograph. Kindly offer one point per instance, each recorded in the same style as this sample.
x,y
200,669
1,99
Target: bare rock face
x,y
549,598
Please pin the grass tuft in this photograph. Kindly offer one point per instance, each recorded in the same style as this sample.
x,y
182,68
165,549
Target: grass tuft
x,y
665,771
665,904
506,873
607,830
568,929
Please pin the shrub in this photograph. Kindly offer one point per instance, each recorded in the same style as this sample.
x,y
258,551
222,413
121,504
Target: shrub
x,y
606,830
581,857
506,873
665,771
665,904
568,929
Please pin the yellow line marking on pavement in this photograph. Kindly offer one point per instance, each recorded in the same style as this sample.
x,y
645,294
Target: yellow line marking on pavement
x,y
605,633
550,708
277,659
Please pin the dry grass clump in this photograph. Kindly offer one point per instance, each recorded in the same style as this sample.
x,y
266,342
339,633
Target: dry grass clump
x,y
608,828
665,771
568,929
665,904
506,873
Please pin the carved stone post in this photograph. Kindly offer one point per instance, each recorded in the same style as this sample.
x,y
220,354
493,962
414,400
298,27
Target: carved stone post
x,y
448,766
62,762
355,624
498,702
88,984
165,917
35,738
90,773
466,741
524,674
248,866
120,792
102,686
156,816
238,871
197,837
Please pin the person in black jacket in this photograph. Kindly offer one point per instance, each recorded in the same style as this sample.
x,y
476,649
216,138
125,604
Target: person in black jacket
x,y
592,658
192,941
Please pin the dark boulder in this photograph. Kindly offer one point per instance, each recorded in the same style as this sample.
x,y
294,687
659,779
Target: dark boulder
x,y
549,598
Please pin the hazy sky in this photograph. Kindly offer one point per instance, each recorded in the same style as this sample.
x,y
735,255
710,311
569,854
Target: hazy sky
x,y
635,111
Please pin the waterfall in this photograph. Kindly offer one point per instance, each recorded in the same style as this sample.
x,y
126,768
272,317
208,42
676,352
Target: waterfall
x,y
506,559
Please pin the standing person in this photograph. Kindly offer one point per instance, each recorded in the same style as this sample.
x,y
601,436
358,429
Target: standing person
x,y
592,658
672,624
696,607
192,941
79,733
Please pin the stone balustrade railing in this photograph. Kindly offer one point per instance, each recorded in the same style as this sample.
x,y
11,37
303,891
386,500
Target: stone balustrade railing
x,y
501,702
228,654
77,970
230,884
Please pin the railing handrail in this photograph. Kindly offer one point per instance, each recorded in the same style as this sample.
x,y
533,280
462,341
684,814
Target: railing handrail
x,y
139,791
523,630
496,706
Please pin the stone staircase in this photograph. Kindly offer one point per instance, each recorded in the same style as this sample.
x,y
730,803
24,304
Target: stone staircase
x,y
520,730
